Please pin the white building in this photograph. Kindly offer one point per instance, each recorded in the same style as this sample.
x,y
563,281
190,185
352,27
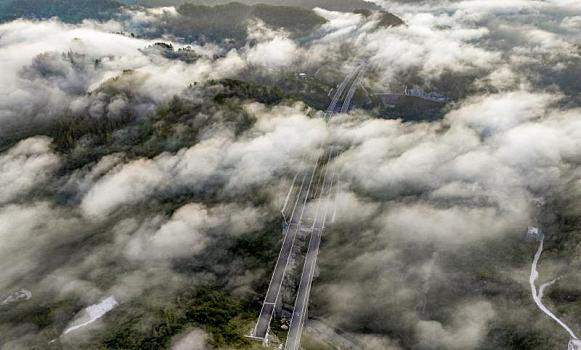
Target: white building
x,y
574,344
535,234
418,92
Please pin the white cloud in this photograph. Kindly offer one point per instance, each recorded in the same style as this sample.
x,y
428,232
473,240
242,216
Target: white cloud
x,y
273,49
182,236
196,339
27,232
190,229
41,81
278,52
500,112
128,183
572,22
26,165
481,166
466,332
455,225
277,141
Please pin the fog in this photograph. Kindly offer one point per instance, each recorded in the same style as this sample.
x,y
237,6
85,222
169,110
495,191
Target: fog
x,y
427,250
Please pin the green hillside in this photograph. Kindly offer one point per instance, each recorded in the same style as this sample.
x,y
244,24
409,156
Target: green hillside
x,y
215,23
386,19
336,5
66,10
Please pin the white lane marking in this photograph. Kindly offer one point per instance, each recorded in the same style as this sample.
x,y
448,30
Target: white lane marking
x,y
288,196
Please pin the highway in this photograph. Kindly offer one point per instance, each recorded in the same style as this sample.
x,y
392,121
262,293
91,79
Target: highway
x,y
299,315
290,232
302,301
347,101
316,183
339,93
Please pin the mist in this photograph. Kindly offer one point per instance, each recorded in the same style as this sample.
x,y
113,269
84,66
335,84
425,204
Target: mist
x,y
138,163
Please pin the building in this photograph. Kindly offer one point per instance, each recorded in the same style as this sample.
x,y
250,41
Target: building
x,y
431,96
535,234
574,344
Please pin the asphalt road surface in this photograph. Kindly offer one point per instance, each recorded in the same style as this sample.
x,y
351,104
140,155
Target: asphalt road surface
x,y
290,233
328,181
307,190
302,300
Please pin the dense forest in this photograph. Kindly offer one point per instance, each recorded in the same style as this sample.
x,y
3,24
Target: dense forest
x,y
230,20
67,10
335,5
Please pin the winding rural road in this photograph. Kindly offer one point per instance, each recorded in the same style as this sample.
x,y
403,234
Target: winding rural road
x,y
538,295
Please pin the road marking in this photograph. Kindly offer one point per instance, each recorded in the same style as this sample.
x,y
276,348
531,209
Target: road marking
x,y
288,196
315,232
286,259
298,318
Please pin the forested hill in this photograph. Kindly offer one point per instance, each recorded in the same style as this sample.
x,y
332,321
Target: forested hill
x,y
232,17
386,19
213,19
335,5
66,10
293,15
198,22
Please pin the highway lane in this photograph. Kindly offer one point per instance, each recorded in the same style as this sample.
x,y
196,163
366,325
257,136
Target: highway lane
x,y
288,197
290,233
302,301
301,304
347,101
340,90
294,224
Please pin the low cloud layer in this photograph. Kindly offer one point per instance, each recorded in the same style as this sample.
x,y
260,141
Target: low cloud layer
x,y
25,166
466,332
427,248
194,340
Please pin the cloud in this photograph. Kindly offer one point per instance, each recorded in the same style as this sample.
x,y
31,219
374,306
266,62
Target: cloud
x,y
28,232
431,44
500,112
572,22
129,184
338,26
278,52
424,223
193,340
431,194
53,68
275,142
190,230
51,78
423,209
488,36
58,74
491,141
371,342
467,331
26,166
183,235
428,43
271,48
